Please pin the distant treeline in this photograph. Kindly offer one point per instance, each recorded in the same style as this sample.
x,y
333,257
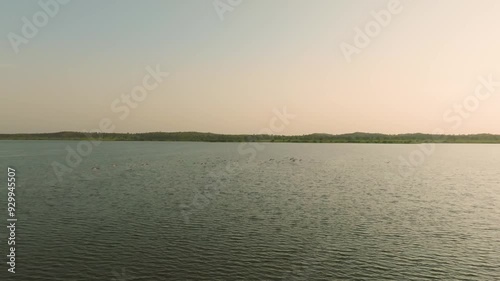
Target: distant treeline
x,y
312,138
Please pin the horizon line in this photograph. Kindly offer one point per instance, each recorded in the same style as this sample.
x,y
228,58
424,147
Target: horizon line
x,y
246,134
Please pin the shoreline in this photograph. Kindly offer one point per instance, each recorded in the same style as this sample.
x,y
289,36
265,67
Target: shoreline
x,y
353,138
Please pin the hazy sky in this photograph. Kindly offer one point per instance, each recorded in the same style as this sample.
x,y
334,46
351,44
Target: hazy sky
x,y
227,76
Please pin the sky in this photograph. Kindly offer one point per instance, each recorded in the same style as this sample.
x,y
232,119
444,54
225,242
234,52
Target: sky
x,y
233,64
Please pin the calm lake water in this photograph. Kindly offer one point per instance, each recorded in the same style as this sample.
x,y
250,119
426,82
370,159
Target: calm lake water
x,y
176,211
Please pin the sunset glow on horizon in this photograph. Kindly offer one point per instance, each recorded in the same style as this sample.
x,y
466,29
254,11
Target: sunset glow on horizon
x,y
431,64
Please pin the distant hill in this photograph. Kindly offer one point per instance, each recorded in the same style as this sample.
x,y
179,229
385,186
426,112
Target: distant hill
x,y
357,137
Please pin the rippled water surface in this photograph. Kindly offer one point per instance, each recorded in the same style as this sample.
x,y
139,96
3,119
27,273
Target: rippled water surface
x,y
214,211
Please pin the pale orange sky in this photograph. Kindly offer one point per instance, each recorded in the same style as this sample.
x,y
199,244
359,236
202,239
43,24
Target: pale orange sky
x,y
228,76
